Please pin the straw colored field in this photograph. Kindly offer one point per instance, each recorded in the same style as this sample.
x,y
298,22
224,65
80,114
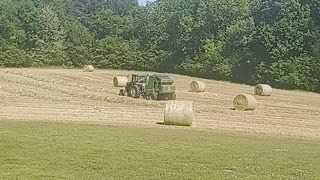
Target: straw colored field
x,y
73,95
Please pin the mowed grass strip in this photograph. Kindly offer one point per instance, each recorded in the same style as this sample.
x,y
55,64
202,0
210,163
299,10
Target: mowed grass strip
x,y
77,151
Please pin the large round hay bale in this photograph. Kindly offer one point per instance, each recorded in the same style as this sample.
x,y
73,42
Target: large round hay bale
x,y
263,90
245,102
120,81
197,86
178,113
88,68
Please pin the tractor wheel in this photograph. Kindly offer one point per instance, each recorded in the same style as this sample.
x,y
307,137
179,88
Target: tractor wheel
x,y
159,97
122,93
173,96
154,97
134,91
162,97
129,93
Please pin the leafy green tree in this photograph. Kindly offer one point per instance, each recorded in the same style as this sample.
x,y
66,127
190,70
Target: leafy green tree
x,y
239,46
106,23
10,32
11,56
211,63
49,46
27,17
248,41
114,53
121,7
82,10
293,73
79,42
282,27
282,33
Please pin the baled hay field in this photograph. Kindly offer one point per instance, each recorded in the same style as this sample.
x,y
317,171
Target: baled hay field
x,y
65,95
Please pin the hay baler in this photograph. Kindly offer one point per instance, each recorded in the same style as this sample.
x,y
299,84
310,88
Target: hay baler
x,y
156,87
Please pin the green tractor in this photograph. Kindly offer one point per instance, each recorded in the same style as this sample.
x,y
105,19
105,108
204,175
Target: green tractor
x,y
155,87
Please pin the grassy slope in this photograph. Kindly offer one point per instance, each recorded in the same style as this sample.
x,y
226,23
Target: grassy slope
x,y
70,151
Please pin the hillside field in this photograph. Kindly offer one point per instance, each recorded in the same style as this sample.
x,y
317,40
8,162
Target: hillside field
x,y
70,95
70,124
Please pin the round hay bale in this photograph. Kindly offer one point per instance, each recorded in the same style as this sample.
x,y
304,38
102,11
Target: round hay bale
x,y
263,90
178,113
120,81
197,86
88,68
245,102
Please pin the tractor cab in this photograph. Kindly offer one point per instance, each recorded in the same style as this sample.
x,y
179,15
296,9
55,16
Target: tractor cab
x,y
137,81
138,78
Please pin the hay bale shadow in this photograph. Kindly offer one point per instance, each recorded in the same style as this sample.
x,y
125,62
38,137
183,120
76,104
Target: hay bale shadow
x,y
160,123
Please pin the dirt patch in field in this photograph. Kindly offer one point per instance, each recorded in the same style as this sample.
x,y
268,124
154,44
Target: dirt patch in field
x,y
74,95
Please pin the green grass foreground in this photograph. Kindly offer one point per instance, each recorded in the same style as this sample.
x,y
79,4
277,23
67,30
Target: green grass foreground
x,y
73,151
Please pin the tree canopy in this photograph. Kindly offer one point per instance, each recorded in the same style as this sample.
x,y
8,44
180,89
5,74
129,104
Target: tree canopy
x,y
246,41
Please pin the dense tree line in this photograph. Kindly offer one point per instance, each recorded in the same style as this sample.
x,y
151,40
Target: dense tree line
x,y
247,41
